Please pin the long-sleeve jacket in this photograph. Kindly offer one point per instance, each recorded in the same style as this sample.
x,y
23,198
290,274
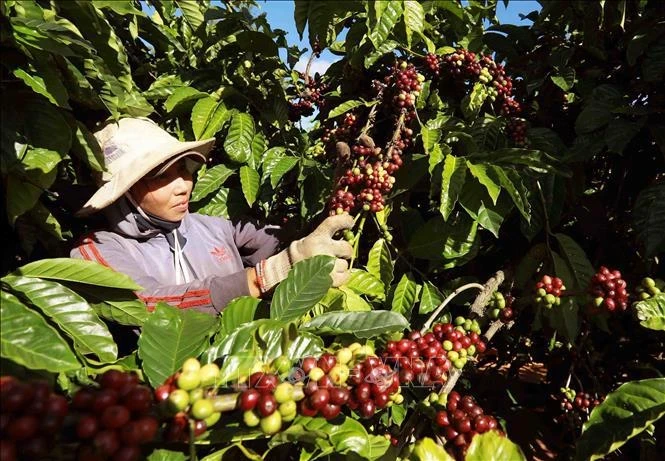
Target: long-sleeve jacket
x,y
217,250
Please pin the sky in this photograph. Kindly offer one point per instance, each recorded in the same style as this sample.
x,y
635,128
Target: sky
x,y
280,16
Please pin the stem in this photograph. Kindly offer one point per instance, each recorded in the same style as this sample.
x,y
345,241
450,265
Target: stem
x,y
192,446
356,240
372,112
396,133
548,230
478,306
445,302
309,65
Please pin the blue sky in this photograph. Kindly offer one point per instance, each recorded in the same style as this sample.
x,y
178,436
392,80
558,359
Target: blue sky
x,y
280,16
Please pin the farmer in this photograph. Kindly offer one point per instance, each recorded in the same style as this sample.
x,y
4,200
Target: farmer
x,y
186,259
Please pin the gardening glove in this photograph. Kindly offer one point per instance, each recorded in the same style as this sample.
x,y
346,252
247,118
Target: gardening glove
x,y
273,270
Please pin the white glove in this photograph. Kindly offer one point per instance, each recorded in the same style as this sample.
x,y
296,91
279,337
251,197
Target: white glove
x,y
273,270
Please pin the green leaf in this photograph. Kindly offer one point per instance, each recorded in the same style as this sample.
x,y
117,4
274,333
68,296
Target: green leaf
x,y
582,270
426,449
386,47
392,12
624,413
259,146
86,147
380,263
405,296
359,324
181,96
192,13
345,107
239,341
210,182
492,446
257,42
430,137
162,454
452,181
352,301
72,314
595,115
430,299
620,132
307,283
651,312
414,18
237,366
77,270
320,16
28,340
300,14
249,180
169,337
46,83
282,166
484,175
238,312
120,306
208,117
238,142
653,66
47,128
118,6
649,219
364,283
347,438
472,102
565,79
438,239
511,181
270,159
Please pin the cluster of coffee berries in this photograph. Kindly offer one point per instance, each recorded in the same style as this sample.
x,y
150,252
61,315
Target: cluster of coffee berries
x,y
516,131
460,420
427,359
548,291
432,63
367,172
368,176
375,386
461,64
345,131
114,420
303,105
466,67
268,403
649,288
407,83
189,397
31,417
577,401
500,306
608,290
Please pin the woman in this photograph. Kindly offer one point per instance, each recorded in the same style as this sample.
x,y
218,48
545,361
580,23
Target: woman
x,y
186,259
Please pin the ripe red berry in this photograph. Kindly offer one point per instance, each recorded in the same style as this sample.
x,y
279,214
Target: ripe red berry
x,y
249,399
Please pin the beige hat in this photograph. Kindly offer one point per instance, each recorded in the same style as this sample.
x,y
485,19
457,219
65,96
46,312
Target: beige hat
x,y
132,148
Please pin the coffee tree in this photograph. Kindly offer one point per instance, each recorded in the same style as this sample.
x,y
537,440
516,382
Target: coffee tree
x,y
507,187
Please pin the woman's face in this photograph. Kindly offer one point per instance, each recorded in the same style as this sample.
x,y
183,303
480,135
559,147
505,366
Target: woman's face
x,y
166,196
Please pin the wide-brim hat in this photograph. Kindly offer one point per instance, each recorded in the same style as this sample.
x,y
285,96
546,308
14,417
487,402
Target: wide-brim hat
x,y
132,148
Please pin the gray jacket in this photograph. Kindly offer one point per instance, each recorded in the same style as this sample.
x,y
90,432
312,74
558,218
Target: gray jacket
x,y
217,251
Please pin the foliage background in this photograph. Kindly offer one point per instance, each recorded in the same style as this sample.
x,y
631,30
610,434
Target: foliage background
x,y
588,74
